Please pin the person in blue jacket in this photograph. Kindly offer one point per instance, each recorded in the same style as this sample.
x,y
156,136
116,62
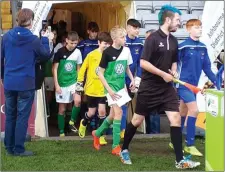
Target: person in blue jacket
x,y
20,50
90,44
135,45
192,60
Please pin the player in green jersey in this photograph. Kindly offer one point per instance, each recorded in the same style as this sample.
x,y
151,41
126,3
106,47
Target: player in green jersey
x,y
114,64
67,63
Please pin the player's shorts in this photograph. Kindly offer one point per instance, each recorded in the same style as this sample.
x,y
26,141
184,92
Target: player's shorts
x,y
157,102
49,84
67,94
93,102
186,95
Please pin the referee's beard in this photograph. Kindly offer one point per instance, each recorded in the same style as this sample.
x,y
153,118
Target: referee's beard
x,y
172,28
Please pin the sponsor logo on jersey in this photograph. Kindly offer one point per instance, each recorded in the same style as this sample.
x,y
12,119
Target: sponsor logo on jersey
x,y
161,44
119,69
69,66
137,51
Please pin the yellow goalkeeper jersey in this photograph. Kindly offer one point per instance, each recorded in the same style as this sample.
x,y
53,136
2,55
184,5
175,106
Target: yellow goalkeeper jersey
x,y
93,86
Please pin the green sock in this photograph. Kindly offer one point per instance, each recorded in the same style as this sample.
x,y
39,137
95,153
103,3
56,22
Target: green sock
x,y
105,125
74,115
61,123
116,133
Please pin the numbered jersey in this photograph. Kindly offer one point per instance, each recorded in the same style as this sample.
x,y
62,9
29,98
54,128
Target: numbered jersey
x,y
115,63
67,69
93,86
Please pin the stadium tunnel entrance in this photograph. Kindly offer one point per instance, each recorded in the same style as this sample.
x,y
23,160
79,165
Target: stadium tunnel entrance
x,y
77,15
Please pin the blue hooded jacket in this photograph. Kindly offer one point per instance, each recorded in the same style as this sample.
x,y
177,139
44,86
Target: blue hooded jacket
x,y
136,48
192,59
20,50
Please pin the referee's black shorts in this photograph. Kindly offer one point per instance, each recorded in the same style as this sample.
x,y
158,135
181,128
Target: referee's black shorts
x,y
161,102
93,102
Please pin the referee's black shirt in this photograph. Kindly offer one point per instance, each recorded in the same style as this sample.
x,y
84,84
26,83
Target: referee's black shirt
x,y
160,50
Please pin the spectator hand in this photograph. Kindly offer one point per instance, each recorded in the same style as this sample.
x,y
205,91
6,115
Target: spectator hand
x,y
47,34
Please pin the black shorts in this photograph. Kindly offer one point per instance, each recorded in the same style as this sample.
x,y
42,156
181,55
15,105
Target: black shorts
x,y
159,103
93,102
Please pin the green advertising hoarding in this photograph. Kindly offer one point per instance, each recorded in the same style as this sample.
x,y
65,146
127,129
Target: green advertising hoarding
x,y
214,130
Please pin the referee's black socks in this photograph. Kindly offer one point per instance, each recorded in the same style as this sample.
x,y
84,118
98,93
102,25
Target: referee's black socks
x,y
129,134
176,139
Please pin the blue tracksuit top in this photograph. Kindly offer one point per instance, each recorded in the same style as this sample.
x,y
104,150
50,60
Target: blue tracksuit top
x,y
192,59
20,50
86,46
136,47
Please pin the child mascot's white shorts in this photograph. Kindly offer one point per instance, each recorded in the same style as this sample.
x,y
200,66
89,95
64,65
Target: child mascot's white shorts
x,y
67,94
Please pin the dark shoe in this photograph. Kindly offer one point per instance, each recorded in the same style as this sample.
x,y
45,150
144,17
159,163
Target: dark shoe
x,y
73,128
9,153
26,153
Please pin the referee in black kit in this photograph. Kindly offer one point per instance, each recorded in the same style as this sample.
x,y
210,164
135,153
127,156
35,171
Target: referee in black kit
x,y
156,92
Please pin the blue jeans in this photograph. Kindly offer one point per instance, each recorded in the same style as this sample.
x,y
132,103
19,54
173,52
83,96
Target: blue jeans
x,y
18,106
153,123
